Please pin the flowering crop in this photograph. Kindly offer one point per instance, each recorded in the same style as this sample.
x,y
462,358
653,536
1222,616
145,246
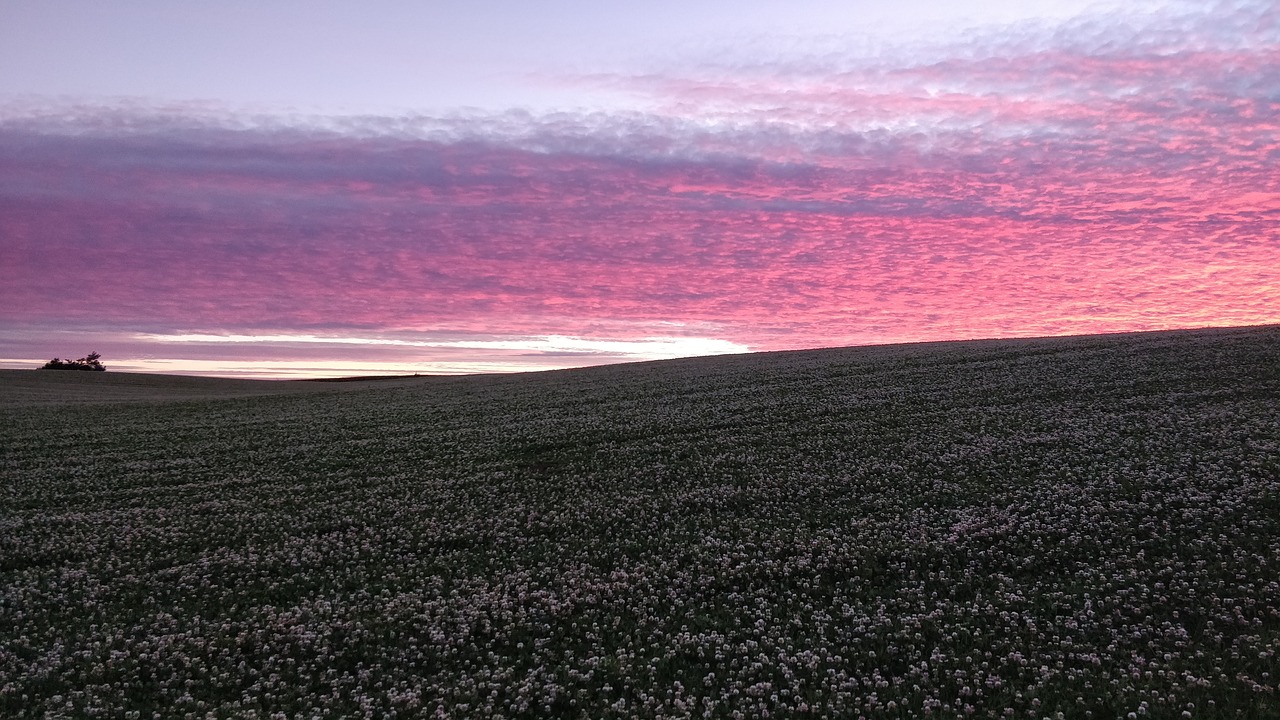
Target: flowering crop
x,y
1074,527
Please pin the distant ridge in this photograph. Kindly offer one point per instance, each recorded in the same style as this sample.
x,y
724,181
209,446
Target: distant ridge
x,y
360,378
20,388
32,387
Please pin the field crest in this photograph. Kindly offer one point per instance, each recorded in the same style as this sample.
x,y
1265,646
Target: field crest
x,y
1062,525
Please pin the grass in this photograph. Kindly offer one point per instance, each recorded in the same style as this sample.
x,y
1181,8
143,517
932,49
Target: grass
x,y
1086,526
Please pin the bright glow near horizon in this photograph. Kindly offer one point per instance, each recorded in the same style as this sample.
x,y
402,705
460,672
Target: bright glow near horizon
x,y
391,187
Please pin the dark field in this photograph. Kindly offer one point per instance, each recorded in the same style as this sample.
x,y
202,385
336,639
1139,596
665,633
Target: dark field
x,y
1073,527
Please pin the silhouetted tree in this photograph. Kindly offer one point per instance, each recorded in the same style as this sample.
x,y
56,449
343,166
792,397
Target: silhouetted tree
x,y
88,362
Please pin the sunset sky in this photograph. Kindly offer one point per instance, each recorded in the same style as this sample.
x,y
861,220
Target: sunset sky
x,y
291,189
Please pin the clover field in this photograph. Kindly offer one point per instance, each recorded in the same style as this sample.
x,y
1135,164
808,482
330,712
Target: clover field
x,y
1070,527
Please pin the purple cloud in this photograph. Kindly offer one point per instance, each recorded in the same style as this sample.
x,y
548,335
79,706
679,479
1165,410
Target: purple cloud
x,y
1096,181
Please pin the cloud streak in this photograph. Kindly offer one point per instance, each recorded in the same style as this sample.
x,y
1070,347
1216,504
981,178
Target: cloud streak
x,y
1093,180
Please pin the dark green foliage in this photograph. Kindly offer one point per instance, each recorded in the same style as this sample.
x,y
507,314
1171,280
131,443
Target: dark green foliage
x,y
89,362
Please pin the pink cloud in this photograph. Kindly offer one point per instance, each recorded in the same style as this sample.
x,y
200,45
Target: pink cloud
x,y
1033,190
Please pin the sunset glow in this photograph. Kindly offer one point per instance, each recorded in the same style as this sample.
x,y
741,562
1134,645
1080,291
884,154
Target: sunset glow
x,y
1106,172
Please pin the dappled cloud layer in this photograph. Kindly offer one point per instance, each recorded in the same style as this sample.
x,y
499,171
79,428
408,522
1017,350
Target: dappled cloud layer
x,y
1098,177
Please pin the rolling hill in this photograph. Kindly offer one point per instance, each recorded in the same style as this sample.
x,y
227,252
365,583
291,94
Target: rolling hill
x,y
1087,526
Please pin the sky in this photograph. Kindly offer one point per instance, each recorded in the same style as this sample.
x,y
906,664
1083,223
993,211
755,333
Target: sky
x,y
309,189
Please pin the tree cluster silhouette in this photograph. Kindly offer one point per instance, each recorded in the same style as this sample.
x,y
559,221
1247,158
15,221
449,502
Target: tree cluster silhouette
x,y
88,362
